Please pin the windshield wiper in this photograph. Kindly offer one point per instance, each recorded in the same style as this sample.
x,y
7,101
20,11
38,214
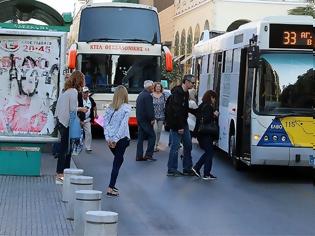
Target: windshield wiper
x,y
102,40
119,40
139,40
311,113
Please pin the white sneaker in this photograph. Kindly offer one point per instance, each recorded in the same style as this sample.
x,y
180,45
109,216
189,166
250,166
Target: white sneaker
x,y
209,177
75,153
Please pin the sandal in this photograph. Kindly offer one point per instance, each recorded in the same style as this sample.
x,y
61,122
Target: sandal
x,y
112,194
115,189
59,180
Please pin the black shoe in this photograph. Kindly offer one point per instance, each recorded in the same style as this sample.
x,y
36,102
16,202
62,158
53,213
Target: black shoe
x,y
209,177
188,172
140,159
196,172
149,158
174,173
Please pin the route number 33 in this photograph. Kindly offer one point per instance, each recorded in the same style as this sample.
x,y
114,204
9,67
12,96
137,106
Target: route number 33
x,y
289,38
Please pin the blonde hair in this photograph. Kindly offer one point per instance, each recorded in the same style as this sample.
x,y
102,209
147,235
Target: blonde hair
x,y
161,86
120,97
76,80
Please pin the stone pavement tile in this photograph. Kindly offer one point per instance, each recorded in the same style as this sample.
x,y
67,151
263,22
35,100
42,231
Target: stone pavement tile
x,y
32,205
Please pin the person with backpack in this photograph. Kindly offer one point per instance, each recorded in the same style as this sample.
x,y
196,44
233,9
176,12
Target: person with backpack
x,y
206,115
176,118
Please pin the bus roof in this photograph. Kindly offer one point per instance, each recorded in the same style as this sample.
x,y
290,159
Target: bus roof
x,y
118,4
245,32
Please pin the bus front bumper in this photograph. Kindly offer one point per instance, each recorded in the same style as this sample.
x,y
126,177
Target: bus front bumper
x,y
285,156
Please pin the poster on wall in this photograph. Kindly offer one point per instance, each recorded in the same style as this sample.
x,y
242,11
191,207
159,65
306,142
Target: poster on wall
x,y
29,77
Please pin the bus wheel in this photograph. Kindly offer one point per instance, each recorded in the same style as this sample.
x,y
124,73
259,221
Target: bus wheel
x,y
238,165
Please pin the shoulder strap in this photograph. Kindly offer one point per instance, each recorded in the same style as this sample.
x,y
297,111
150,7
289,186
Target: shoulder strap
x,y
110,119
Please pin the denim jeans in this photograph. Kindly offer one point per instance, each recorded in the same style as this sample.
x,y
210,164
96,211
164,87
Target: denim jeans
x,y
64,155
175,145
205,142
145,129
118,152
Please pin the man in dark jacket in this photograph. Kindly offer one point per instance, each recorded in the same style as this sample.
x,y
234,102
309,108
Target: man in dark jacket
x,y
179,130
145,118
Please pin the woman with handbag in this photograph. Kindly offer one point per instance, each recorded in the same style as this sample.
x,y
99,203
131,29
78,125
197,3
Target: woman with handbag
x,y
116,132
206,130
67,105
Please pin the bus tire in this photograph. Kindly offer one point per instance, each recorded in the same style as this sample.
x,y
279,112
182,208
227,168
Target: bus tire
x,y
237,163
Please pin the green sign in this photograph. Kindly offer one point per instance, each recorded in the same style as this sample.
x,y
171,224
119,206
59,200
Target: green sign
x,y
34,27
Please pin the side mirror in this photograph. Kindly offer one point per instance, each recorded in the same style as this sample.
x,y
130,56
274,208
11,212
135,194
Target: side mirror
x,y
168,59
72,57
253,56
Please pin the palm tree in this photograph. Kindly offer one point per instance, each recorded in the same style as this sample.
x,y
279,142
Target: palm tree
x,y
309,10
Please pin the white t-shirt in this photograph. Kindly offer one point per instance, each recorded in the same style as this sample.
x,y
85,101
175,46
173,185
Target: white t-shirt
x,y
88,104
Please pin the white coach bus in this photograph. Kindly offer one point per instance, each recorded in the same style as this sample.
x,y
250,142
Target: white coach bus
x,y
263,73
114,44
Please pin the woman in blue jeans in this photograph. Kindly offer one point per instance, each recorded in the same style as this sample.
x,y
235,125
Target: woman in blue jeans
x,y
116,133
206,112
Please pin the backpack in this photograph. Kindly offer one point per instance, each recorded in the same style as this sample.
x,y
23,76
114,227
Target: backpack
x,y
168,111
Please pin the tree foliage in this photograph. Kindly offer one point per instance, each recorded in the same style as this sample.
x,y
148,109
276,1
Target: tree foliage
x,y
309,10
174,77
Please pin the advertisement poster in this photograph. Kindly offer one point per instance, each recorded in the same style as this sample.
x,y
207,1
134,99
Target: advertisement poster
x,y
29,76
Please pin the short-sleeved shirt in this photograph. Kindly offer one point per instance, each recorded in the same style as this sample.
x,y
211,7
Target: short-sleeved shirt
x,y
159,107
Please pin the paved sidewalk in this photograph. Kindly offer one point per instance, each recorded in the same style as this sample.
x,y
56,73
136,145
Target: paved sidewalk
x,y
32,205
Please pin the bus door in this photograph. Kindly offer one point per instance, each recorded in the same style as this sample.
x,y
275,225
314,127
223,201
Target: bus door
x,y
217,74
243,139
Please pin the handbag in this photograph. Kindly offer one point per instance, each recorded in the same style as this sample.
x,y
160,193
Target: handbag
x,y
74,126
211,128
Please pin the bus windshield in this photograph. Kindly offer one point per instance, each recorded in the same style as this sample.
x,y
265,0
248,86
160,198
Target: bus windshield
x,y
105,72
285,84
119,23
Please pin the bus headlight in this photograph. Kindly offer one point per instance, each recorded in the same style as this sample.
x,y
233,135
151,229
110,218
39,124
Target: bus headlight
x,y
283,138
256,137
266,138
274,137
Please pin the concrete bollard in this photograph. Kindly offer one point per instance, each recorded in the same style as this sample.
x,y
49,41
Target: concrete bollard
x,y
99,223
66,182
86,200
77,182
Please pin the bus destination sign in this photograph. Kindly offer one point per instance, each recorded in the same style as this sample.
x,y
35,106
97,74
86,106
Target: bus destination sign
x,y
291,36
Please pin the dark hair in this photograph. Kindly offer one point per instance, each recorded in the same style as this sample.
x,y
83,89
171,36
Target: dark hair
x,y
208,95
188,77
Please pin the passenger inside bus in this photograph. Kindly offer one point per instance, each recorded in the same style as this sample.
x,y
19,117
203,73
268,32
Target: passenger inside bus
x,y
88,79
101,79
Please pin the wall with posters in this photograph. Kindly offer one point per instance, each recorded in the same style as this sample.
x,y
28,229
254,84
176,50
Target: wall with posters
x,y
29,78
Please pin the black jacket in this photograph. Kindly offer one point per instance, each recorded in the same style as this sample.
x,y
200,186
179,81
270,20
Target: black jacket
x,y
144,107
178,110
203,112
81,114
